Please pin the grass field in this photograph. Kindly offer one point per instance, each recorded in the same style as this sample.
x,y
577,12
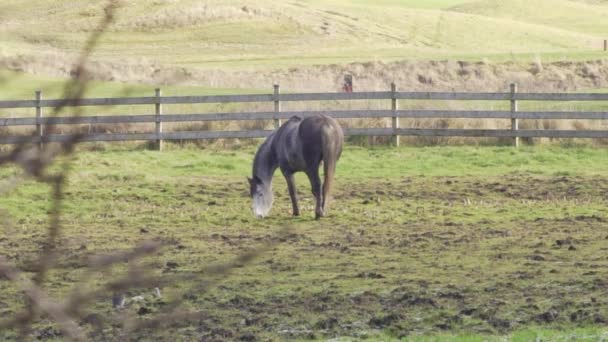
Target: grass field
x,y
442,45
262,34
437,243
22,86
456,243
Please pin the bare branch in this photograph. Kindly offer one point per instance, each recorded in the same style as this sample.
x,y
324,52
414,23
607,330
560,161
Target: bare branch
x,y
41,301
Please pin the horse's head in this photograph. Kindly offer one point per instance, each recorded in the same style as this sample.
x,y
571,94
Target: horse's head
x,y
261,194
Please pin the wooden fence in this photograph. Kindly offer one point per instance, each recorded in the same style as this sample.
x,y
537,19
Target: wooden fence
x,y
158,118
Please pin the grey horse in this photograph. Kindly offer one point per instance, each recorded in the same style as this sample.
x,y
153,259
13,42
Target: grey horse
x,y
298,145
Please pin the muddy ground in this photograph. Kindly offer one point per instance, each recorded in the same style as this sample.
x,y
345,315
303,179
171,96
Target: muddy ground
x,y
429,256
404,257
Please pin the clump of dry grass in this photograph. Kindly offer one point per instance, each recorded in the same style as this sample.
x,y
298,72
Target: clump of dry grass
x,y
173,15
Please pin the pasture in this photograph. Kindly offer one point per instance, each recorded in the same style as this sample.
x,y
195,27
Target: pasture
x,y
263,35
463,243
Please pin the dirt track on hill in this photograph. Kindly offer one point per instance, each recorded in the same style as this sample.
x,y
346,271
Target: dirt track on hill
x,y
411,75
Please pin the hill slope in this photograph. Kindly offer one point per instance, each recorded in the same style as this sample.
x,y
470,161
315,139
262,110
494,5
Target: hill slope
x,y
182,41
229,33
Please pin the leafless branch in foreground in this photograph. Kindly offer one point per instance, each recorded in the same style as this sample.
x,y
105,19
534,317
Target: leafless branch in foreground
x,y
68,313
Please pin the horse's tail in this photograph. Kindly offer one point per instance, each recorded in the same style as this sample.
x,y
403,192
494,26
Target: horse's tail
x,y
331,141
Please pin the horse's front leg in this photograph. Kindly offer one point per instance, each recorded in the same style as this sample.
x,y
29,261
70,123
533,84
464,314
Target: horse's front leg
x,y
291,185
315,183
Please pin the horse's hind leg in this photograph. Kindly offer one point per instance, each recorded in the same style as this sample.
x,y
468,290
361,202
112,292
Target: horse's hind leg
x,y
315,183
324,196
291,185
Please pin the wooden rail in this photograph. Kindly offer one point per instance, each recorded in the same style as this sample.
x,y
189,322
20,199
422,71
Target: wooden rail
x,y
371,95
158,118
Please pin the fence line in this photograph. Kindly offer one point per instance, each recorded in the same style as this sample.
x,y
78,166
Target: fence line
x,y
194,135
374,95
338,114
158,118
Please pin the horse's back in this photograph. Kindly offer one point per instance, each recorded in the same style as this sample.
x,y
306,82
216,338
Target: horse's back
x,y
314,129
317,134
299,143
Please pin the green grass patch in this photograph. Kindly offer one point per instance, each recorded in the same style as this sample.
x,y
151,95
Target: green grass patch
x,y
421,244
22,86
262,35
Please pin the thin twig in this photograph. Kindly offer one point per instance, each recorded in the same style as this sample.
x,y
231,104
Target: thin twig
x,y
41,300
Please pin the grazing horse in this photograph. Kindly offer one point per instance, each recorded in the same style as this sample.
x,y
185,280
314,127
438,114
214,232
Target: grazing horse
x,y
298,145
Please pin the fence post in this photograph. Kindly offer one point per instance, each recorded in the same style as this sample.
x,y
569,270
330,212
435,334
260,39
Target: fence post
x,y
39,125
277,106
159,124
394,108
514,121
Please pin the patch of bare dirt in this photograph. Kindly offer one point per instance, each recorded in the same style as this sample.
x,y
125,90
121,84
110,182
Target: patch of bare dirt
x,y
511,187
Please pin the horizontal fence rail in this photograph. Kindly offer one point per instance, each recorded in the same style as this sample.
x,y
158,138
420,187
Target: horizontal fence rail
x,y
338,114
277,115
194,135
378,95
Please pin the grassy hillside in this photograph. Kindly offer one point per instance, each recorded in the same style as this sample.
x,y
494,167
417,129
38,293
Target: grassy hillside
x,y
21,86
255,33
574,16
